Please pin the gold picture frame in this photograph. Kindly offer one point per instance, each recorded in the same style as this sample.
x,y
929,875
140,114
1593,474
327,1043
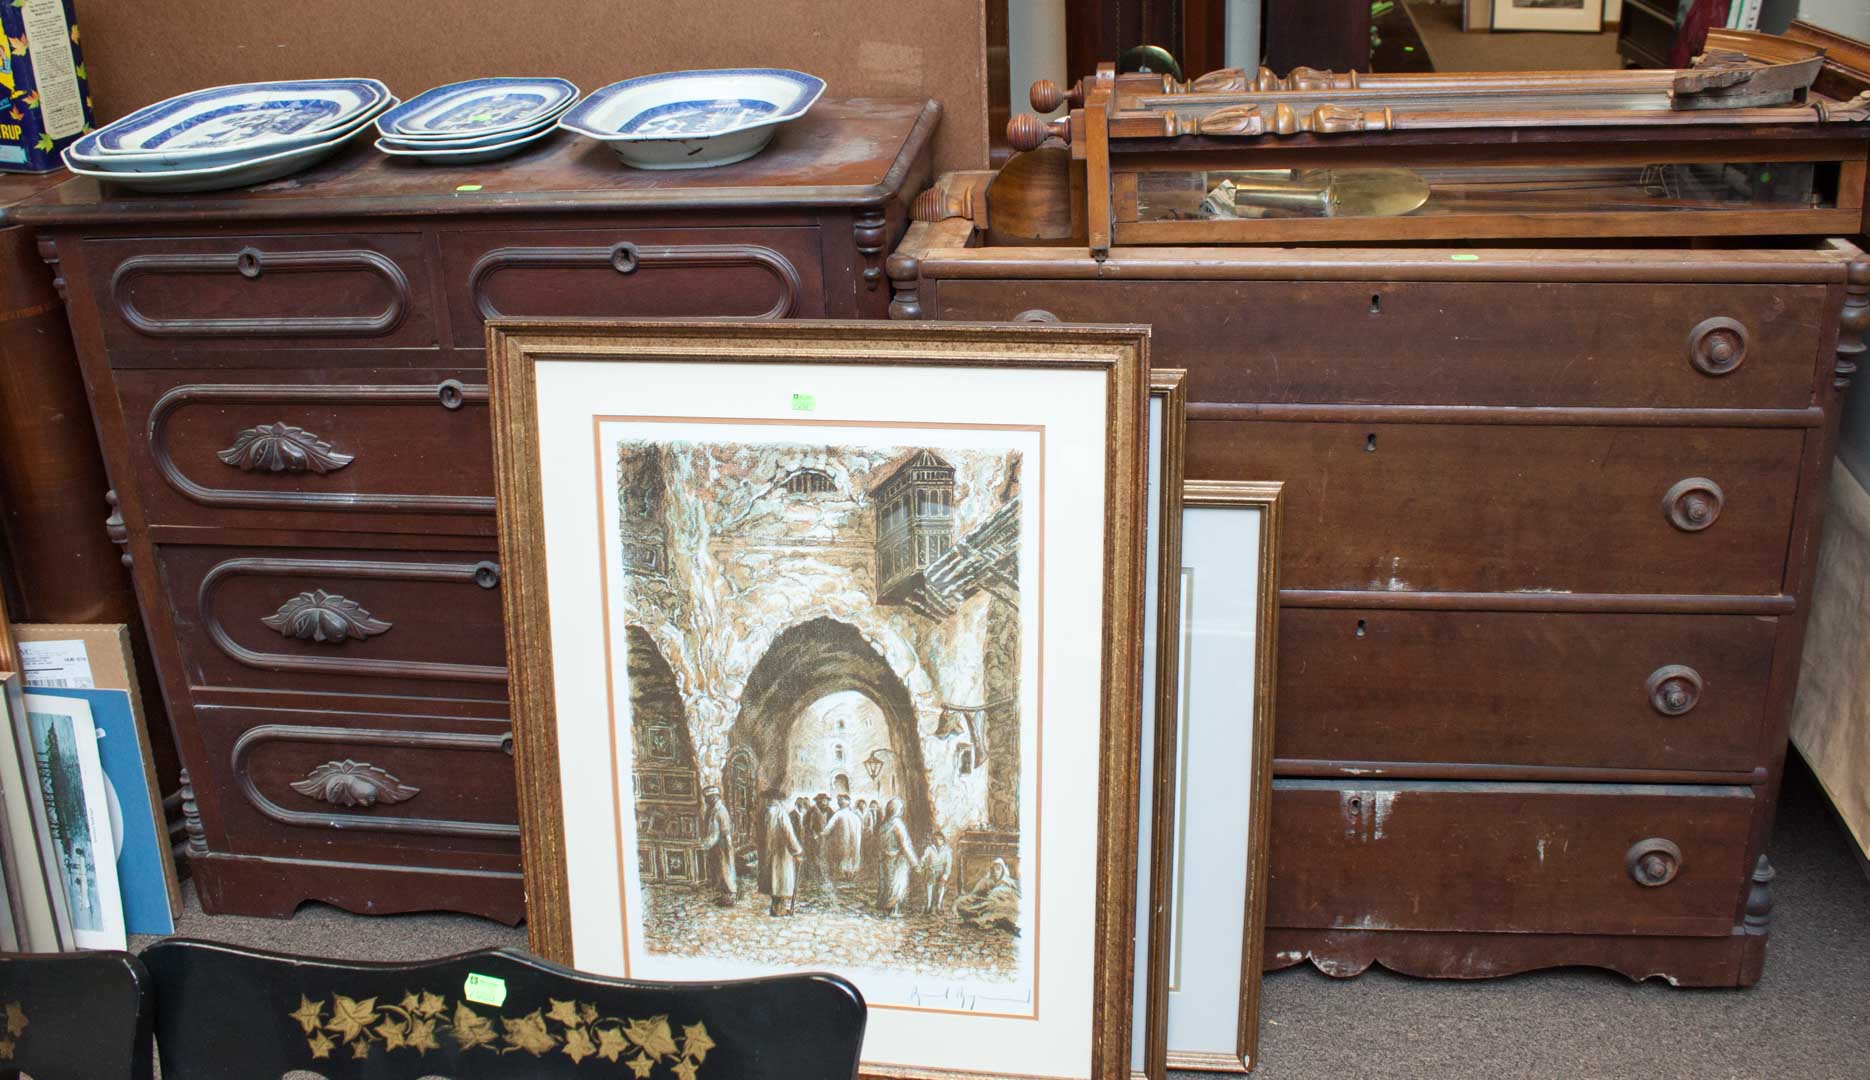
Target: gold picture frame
x,y
1561,16
1170,757
544,373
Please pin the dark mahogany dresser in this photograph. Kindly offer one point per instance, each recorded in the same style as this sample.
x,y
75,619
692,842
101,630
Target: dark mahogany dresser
x,y
289,385
1551,518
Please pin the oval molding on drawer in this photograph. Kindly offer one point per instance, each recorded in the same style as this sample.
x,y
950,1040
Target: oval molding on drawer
x,y
355,737
477,574
250,263
628,258
447,396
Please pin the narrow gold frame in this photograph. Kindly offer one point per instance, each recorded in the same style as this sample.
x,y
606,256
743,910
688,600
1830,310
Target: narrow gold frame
x,y
1169,384
515,346
1225,494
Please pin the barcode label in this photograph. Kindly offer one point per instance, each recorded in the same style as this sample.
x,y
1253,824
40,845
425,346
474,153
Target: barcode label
x,y
62,664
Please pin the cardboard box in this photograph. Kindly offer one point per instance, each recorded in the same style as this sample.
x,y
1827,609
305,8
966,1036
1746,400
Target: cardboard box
x,y
47,104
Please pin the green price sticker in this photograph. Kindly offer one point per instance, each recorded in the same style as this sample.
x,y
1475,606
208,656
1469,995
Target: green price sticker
x,y
484,990
468,187
1465,258
804,403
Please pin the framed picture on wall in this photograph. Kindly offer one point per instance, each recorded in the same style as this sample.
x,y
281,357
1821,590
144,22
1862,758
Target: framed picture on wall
x,y
825,650
1209,759
1576,16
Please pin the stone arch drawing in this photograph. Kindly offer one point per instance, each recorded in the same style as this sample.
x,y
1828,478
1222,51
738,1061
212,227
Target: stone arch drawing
x,y
667,779
811,660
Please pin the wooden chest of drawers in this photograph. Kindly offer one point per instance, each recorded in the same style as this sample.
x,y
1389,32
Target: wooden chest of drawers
x,y
1550,521
289,383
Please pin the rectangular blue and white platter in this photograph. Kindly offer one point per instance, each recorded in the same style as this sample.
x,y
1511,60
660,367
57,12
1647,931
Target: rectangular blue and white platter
x,y
479,107
248,116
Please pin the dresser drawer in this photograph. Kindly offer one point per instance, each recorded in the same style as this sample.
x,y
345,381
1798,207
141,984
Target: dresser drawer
x,y
336,785
1456,343
263,292
1680,693
1506,508
327,448
751,273
339,621
1513,858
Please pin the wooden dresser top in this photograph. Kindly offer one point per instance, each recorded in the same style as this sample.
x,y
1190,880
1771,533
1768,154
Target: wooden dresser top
x,y
843,153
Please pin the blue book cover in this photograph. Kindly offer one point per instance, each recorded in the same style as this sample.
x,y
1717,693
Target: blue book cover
x,y
45,94
140,874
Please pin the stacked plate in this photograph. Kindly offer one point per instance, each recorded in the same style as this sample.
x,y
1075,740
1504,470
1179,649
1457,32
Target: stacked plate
x,y
480,120
229,136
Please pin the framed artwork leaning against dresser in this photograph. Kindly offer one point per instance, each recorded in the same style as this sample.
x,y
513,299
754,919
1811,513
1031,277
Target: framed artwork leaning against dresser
x,y
826,655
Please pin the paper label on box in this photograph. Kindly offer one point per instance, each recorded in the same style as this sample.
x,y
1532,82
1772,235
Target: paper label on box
x,y
56,663
55,72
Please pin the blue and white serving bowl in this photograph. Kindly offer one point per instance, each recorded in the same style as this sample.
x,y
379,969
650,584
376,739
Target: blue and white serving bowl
x,y
478,109
694,119
228,124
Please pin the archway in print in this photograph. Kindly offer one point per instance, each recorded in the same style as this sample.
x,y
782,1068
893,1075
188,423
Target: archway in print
x,y
668,784
810,666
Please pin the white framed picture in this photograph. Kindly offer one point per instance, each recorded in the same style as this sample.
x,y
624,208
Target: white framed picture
x,y
1212,767
825,643
1571,16
71,778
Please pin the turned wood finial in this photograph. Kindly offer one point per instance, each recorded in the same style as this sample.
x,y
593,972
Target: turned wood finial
x,y
1047,95
1028,132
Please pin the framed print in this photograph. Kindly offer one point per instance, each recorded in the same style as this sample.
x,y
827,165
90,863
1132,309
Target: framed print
x,y
1168,422
1213,775
1577,16
70,773
826,654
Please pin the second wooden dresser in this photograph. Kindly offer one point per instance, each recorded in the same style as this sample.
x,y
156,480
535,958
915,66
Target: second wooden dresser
x,y
1550,518
289,383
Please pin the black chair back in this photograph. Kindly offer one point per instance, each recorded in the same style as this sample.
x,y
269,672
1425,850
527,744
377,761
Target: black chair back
x,y
241,1014
74,1016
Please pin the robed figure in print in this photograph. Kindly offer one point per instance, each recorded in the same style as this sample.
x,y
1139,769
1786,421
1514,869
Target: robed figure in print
x,y
993,901
717,849
898,857
843,838
779,854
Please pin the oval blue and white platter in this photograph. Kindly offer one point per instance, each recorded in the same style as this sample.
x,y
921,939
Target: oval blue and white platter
x,y
243,173
694,119
478,108
85,151
465,155
225,123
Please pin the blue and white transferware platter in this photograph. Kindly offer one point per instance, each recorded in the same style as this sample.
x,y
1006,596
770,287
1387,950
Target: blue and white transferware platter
x,y
242,120
480,107
242,173
465,155
694,119
85,152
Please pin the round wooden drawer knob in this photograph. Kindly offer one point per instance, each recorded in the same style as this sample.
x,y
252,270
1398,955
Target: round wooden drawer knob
x,y
1717,346
1653,862
1693,504
1673,690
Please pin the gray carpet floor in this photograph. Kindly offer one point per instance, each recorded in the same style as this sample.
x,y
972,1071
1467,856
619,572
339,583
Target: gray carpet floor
x,y
1809,1017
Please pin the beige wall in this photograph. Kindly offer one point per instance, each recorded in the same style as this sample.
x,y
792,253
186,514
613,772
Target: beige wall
x,y
141,51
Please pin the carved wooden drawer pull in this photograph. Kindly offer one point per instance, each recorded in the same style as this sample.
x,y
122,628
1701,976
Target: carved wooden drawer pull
x,y
1693,504
283,448
325,618
1717,346
1674,689
1653,862
354,783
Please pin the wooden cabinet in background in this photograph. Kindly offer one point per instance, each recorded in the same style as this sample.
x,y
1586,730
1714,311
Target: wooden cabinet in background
x,y
290,385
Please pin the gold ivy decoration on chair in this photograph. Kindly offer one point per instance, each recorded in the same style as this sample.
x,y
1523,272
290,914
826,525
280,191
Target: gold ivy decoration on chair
x,y
421,1020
